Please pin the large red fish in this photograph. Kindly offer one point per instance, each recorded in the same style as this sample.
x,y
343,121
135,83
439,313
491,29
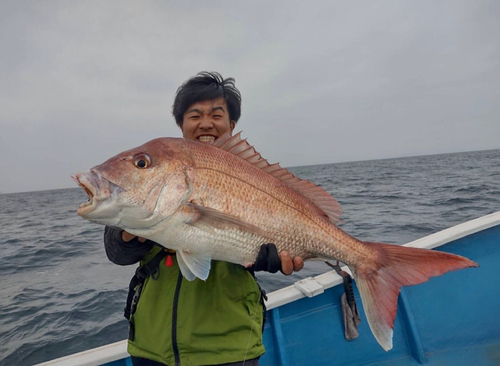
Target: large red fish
x,y
222,201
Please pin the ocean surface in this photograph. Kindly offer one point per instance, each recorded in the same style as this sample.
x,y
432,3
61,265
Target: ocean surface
x,y
59,294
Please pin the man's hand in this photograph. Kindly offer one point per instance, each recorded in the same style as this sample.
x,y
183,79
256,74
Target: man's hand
x,y
126,237
269,260
289,264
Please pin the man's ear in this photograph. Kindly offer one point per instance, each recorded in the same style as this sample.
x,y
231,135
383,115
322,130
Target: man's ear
x,y
232,124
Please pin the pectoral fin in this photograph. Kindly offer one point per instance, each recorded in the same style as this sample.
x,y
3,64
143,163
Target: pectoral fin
x,y
207,219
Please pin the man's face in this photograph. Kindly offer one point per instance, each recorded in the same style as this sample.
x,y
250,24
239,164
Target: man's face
x,y
206,121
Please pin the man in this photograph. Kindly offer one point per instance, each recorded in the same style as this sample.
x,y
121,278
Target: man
x,y
178,322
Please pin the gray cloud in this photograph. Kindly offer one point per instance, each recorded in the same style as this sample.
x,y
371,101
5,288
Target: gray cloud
x,y
338,81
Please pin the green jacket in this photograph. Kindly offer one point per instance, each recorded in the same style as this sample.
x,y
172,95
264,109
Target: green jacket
x,y
195,323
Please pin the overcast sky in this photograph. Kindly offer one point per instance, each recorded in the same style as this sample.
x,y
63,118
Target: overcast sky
x,y
322,82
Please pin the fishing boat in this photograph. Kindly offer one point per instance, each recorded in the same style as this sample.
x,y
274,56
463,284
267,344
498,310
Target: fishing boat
x,y
453,319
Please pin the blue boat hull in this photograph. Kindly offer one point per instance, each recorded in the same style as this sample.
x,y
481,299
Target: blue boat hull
x,y
453,319
450,320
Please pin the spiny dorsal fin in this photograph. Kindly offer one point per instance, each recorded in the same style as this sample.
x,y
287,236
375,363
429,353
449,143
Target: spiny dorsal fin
x,y
242,149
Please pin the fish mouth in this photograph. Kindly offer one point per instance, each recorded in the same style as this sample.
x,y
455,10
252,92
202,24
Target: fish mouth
x,y
96,187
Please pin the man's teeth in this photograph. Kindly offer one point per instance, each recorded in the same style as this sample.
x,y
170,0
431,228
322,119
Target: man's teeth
x,y
206,138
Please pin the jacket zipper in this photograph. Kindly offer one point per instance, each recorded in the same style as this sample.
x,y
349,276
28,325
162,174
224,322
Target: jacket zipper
x,y
174,320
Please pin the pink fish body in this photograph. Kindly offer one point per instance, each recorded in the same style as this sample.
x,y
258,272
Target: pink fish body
x,y
223,201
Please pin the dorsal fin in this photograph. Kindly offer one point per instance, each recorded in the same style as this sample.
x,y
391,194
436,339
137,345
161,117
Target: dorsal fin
x,y
242,149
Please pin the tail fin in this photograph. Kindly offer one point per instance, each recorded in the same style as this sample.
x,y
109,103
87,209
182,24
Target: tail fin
x,y
380,281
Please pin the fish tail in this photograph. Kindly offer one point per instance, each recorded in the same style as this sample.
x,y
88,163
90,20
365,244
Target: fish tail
x,y
380,280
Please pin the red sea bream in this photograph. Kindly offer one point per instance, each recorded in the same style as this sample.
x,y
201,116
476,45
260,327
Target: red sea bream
x,y
221,201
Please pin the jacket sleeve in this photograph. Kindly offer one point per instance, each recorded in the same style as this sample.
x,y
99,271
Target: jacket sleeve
x,y
122,252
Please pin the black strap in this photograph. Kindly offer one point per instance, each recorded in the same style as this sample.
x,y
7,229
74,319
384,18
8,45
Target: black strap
x,y
347,281
148,269
263,296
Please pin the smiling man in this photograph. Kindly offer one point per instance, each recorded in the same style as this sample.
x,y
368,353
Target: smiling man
x,y
207,120
173,321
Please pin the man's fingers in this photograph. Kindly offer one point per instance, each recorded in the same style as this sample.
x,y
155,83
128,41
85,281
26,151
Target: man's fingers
x,y
286,263
269,260
289,264
126,237
298,263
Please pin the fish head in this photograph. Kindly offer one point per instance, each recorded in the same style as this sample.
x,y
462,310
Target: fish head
x,y
138,188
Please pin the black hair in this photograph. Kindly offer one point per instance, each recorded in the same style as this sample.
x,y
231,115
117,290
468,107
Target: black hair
x,y
207,86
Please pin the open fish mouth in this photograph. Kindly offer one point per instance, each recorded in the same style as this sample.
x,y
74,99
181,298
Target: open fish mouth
x,y
96,188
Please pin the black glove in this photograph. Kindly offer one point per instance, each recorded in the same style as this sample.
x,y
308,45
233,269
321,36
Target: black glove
x,y
268,259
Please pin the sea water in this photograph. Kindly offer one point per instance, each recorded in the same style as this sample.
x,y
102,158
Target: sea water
x,y
59,294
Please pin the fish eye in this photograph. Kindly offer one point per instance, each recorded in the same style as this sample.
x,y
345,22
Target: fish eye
x,y
142,161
